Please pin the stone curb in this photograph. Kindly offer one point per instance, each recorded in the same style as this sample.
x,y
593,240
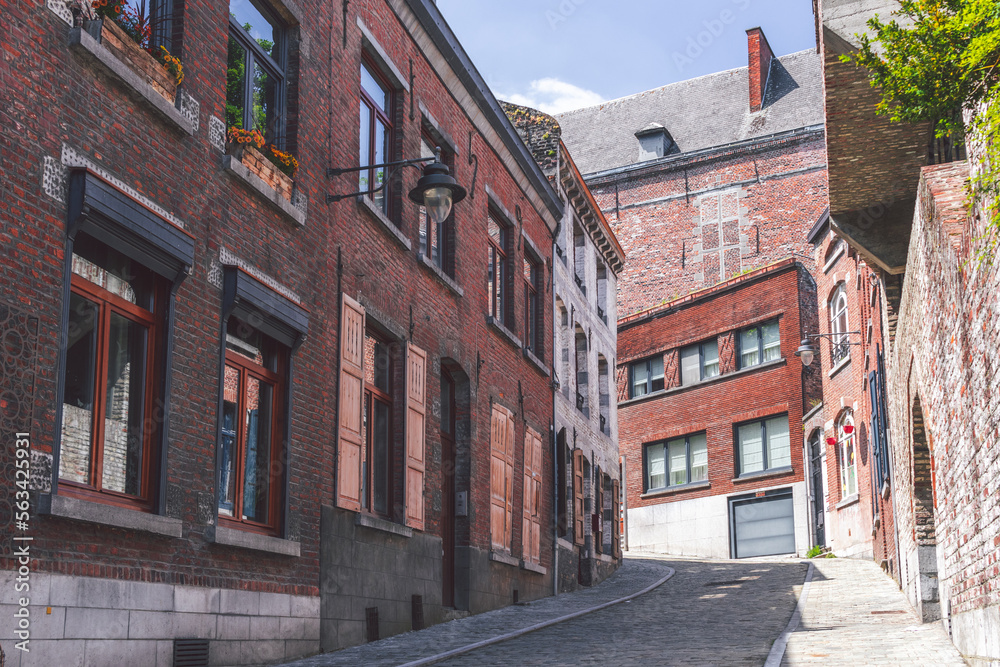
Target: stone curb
x,y
778,648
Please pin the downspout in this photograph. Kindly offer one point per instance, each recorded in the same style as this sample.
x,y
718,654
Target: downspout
x,y
552,386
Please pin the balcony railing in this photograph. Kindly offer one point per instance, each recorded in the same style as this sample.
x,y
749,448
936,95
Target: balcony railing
x,y
579,401
840,349
579,283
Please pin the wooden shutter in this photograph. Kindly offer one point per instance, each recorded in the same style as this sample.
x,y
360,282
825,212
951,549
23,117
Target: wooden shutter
x,y
509,479
352,382
531,520
599,513
616,538
498,473
416,383
578,517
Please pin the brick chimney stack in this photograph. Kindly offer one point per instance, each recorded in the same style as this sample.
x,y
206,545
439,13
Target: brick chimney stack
x,y
760,66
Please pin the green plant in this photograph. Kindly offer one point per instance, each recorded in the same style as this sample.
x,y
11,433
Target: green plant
x,y
814,551
941,60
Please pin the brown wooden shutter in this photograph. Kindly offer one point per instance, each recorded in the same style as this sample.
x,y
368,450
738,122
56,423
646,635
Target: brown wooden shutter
x,y
531,520
621,379
352,382
498,471
616,537
578,517
599,513
509,477
416,383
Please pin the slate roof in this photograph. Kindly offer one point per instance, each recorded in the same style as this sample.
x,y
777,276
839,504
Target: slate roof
x,y
700,113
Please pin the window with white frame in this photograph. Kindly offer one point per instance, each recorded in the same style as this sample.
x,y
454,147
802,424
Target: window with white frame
x,y
763,445
840,348
676,462
846,455
699,362
759,344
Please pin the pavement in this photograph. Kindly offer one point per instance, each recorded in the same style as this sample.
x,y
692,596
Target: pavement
x,y
855,615
673,611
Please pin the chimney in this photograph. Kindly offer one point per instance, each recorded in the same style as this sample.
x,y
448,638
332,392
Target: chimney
x,y
760,66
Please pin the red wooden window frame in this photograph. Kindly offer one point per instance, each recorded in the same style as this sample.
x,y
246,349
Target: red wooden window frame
x,y
108,303
499,270
373,394
378,115
250,369
533,316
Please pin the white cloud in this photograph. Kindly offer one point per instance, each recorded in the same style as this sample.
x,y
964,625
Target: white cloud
x,y
554,96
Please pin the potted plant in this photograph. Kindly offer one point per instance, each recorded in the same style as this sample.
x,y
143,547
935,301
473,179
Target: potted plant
x,y
274,166
125,27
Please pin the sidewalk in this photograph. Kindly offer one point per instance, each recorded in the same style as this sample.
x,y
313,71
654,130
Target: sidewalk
x,y
855,615
635,575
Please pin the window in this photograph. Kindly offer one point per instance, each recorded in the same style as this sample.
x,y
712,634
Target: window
x,y
763,445
368,469
582,373
531,519
699,362
112,353
255,71
676,462
759,344
149,22
375,133
437,242
646,376
602,291
250,449
533,319
580,258
846,455
840,347
496,272
604,395
376,420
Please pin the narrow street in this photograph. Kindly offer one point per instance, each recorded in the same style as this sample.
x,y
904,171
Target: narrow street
x,y
705,613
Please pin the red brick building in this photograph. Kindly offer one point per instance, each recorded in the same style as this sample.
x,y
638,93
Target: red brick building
x,y
711,398
706,182
258,420
897,197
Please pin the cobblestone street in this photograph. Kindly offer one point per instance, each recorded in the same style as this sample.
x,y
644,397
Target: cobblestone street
x,y
705,613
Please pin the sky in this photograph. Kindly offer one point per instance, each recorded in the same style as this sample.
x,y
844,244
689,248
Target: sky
x,y
558,55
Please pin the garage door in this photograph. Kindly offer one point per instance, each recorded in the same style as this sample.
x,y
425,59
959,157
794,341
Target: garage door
x,y
762,526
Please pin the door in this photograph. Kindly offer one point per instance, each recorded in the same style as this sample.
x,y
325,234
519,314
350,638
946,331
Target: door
x,y
762,526
448,490
818,493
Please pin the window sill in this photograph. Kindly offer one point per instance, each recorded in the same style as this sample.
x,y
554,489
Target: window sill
x,y
438,273
375,523
681,488
505,558
235,167
702,383
848,501
504,331
394,232
234,537
763,474
533,567
536,362
840,364
82,42
108,515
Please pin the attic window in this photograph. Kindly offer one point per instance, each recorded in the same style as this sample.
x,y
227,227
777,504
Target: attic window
x,y
654,142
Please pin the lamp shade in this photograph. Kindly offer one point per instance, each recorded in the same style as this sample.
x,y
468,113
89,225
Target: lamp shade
x,y
437,191
806,352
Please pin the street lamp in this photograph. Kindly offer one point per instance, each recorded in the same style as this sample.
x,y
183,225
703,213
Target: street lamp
x,y
436,190
807,351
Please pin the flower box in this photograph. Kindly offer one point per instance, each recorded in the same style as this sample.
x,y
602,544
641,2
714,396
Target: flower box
x,y
138,59
266,170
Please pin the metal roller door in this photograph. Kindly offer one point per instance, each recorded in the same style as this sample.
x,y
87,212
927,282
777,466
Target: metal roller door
x,y
762,526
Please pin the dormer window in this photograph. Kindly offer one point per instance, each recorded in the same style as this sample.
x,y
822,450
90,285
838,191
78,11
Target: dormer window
x,y
655,142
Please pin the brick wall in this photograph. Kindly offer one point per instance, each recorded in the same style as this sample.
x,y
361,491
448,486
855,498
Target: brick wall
x,y
702,220
945,355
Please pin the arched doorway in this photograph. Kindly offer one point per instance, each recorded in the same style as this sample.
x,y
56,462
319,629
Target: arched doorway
x,y
818,493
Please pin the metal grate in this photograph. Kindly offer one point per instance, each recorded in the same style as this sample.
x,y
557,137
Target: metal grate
x,y
190,653
840,349
417,612
371,624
